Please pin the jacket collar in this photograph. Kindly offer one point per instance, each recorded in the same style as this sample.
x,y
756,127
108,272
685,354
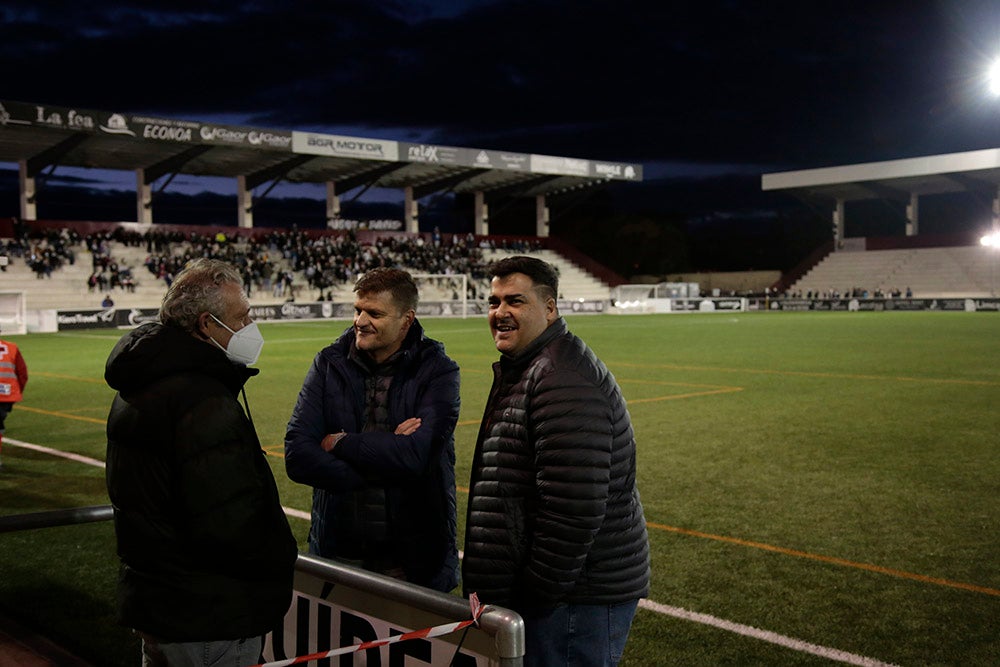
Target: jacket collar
x,y
344,346
554,330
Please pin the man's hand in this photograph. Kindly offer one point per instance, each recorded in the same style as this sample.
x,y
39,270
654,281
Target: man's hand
x,y
330,440
408,427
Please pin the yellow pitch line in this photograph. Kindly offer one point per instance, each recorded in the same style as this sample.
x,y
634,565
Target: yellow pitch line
x,y
818,374
67,377
828,559
64,415
675,384
727,390
271,451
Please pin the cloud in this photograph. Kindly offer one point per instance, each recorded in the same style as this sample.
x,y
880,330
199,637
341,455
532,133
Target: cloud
x,y
780,84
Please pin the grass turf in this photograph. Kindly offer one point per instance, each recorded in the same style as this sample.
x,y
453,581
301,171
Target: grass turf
x,y
831,478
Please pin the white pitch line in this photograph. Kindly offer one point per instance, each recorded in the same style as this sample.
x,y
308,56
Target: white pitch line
x,y
54,452
676,612
764,635
298,514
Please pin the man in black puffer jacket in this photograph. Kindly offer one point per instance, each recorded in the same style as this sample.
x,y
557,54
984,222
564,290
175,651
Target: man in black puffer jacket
x,y
555,529
206,551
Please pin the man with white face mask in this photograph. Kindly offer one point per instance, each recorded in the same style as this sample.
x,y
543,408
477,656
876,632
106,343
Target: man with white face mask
x,y
206,552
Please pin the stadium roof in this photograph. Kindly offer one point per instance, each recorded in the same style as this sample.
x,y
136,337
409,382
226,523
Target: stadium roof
x,y
44,136
895,179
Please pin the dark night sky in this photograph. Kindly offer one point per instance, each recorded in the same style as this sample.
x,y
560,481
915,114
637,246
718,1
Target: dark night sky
x,y
701,93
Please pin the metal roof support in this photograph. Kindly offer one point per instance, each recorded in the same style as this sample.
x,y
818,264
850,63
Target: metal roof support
x,y
481,211
838,223
276,172
52,156
26,187
32,166
174,163
411,210
245,184
143,198
519,189
332,201
447,184
913,215
146,176
541,216
244,203
368,178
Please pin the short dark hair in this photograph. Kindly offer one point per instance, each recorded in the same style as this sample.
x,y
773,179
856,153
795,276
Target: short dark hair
x,y
542,274
397,282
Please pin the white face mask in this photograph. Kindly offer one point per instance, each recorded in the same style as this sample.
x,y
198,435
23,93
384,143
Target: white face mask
x,y
244,345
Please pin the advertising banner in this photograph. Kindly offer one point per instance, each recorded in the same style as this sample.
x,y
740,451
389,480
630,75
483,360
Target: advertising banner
x,y
388,225
228,135
14,113
166,129
617,171
500,160
563,166
855,305
85,319
581,306
334,145
431,154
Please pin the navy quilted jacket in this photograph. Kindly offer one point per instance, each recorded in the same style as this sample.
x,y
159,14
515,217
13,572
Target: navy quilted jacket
x,y
417,472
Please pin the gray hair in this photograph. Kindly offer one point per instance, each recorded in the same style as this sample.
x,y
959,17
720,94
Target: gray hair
x,y
195,290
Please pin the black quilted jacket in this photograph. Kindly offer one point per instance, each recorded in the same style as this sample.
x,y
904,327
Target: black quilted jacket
x,y
554,513
206,551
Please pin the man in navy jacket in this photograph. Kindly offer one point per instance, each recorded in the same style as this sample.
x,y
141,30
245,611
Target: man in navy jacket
x,y
373,433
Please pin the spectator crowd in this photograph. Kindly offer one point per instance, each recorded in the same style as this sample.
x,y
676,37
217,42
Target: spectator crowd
x,y
284,264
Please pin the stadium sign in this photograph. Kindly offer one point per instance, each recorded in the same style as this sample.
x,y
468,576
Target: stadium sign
x,y
63,118
334,145
617,171
968,305
166,129
156,129
581,305
500,160
563,166
373,225
244,136
431,154
8,118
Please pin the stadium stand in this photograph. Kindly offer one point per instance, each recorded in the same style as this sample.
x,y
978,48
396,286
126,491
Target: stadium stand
x,y
67,286
961,271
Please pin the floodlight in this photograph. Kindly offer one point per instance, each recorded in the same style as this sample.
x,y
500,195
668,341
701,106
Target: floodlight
x,y
991,240
993,78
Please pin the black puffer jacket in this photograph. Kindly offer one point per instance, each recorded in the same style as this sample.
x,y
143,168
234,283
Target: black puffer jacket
x,y
206,550
554,514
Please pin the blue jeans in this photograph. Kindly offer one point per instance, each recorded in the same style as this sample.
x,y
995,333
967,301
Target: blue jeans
x,y
228,653
576,635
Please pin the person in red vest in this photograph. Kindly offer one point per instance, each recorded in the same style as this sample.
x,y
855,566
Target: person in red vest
x,y
13,379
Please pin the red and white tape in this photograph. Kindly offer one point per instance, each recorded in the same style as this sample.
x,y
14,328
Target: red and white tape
x,y
436,631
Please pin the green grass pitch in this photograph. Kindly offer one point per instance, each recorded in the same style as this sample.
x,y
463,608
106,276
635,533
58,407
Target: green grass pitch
x,y
818,487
